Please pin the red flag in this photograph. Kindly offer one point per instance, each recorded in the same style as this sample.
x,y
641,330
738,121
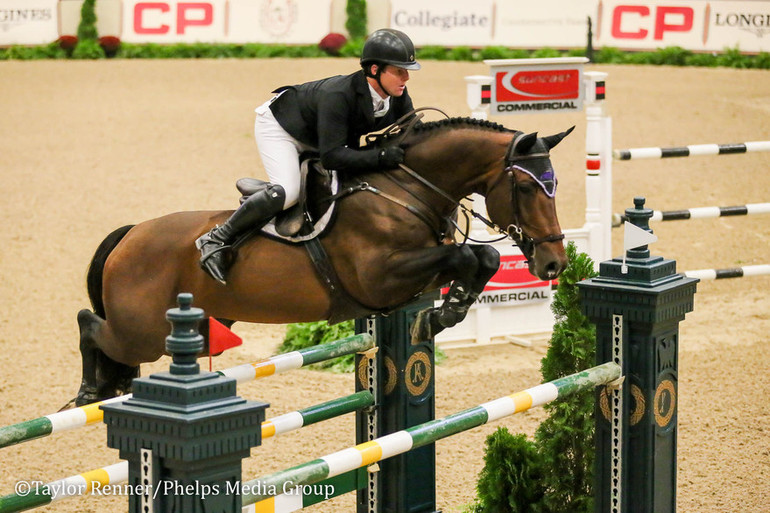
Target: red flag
x,y
221,338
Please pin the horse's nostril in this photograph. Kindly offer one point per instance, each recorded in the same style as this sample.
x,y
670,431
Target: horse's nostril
x,y
553,269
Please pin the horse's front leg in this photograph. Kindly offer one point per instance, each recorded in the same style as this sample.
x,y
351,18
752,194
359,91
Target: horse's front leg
x,y
470,267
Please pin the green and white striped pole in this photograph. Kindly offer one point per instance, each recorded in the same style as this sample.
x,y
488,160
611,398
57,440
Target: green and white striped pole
x,y
91,413
268,487
105,480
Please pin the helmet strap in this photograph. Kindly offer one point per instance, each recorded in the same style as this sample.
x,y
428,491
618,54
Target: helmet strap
x,y
377,76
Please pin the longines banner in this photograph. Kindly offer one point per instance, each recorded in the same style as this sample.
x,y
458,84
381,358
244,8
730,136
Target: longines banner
x,y
28,22
235,21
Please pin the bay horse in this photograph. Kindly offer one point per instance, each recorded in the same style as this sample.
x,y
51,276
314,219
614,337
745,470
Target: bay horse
x,y
390,242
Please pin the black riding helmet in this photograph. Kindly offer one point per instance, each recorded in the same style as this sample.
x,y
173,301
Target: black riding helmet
x,y
389,46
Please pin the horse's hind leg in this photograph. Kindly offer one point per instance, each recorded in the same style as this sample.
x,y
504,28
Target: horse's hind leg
x,y
103,377
89,354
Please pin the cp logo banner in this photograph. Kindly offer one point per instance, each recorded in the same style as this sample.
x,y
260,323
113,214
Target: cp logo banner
x,y
537,85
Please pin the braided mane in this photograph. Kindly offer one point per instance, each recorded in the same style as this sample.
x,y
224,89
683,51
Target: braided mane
x,y
424,130
460,123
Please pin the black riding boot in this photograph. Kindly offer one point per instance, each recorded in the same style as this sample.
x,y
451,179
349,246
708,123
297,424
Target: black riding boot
x,y
256,211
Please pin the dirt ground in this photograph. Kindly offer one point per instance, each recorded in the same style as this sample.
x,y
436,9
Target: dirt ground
x,y
86,147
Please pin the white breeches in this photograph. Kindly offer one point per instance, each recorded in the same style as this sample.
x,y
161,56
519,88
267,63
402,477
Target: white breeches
x,y
280,153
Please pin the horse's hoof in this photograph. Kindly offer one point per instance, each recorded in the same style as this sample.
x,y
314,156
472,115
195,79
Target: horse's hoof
x,y
426,326
85,398
421,327
71,404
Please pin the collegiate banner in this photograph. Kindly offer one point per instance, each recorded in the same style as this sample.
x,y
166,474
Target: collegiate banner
x,y
444,22
28,22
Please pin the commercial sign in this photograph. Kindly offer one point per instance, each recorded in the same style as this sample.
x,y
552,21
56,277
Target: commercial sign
x,y
513,284
28,22
234,21
444,22
535,85
693,25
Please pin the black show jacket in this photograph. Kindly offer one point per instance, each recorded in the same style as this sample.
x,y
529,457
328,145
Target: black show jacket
x,y
332,114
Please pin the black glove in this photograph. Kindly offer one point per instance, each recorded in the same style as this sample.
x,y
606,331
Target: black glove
x,y
391,157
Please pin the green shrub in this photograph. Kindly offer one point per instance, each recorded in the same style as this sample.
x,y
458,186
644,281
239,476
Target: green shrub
x,y
732,58
433,52
566,437
308,334
494,52
609,55
702,59
87,26
356,23
302,335
543,53
88,49
462,53
353,48
762,61
557,468
671,56
513,476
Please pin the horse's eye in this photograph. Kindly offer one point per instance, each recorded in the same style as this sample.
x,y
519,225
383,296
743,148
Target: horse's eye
x,y
528,188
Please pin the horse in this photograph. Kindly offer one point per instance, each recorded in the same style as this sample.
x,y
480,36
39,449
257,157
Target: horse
x,y
391,240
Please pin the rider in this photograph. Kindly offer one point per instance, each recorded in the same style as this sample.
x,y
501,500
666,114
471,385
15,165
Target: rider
x,y
328,116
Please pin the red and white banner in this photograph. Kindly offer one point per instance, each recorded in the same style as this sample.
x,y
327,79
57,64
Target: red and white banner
x,y
513,284
28,22
692,25
173,21
234,21
527,85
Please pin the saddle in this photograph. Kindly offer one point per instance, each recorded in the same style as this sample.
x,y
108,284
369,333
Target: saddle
x,y
312,214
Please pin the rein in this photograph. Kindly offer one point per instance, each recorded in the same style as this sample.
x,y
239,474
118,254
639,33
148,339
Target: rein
x,y
513,231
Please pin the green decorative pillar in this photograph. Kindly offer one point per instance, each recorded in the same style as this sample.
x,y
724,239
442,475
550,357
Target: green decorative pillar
x,y
402,379
184,432
637,311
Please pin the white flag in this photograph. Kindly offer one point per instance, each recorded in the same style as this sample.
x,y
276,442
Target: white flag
x,y
633,236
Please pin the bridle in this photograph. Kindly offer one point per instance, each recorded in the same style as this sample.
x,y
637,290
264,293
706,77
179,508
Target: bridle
x,y
526,243
514,231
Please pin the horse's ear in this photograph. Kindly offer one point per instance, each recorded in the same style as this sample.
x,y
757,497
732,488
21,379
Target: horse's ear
x,y
524,143
553,140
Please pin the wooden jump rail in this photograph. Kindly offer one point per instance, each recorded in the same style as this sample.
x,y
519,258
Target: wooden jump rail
x,y
700,213
362,455
733,272
691,150
91,413
108,480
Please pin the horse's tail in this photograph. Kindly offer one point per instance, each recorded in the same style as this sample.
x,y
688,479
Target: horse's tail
x,y
96,269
